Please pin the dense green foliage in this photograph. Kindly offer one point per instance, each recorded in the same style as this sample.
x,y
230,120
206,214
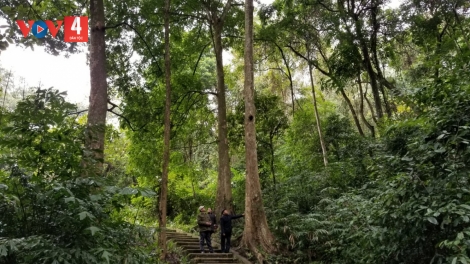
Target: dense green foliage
x,y
393,96
49,213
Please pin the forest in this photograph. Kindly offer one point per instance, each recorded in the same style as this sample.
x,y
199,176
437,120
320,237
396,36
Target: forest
x,y
340,128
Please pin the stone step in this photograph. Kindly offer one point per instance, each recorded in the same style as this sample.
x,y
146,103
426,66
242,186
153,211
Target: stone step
x,y
179,241
214,260
210,255
194,246
187,243
197,250
190,245
184,238
177,235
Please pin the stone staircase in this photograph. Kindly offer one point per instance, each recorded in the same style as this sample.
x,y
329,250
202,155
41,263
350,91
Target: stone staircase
x,y
190,246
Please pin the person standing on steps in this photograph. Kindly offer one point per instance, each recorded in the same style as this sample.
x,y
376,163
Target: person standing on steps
x,y
226,229
213,221
204,223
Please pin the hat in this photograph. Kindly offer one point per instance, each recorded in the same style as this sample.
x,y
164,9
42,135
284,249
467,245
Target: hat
x,y
200,207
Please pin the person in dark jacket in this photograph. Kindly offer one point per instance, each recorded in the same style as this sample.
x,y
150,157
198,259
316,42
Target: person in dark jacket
x,y
226,229
213,220
204,223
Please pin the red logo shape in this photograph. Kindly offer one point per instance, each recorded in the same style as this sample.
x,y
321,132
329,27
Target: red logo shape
x,y
75,29
40,29
25,29
52,28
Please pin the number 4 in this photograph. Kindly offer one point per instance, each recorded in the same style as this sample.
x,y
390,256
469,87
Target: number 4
x,y
76,25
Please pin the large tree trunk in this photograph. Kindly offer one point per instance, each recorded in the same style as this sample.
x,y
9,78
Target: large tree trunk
x,y
96,123
224,189
256,235
166,138
317,117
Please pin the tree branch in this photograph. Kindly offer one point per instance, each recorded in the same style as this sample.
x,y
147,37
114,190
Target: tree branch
x,y
227,7
309,61
200,55
142,38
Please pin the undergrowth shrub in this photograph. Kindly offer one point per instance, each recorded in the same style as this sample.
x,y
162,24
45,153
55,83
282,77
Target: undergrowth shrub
x,y
50,213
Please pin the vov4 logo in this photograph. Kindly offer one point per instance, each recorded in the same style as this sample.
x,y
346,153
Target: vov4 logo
x,y
75,28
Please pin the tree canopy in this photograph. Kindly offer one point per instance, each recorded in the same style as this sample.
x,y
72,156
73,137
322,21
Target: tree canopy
x,y
340,128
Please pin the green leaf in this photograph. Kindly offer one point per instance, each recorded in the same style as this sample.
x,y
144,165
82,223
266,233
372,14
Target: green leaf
x,y
95,197
405,158
106,255
454,261
69,199
432,220
3,187
147,193
466,206
93,229
440,150
128,191
3,250
85,214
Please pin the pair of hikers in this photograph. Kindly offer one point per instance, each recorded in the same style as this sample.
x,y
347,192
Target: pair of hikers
x,y
207,225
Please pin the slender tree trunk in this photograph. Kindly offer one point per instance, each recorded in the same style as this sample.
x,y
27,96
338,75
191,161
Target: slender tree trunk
x,y
353,112
96,123
256,235
361,110
6,89
370,106
289,76
367,60
166,138
388,109
375,57
224,188
317,117
373,80
271,149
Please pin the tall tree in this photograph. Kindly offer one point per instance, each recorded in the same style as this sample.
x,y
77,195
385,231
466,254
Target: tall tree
x,y
216,21
256,235
166,137
317,115
96,122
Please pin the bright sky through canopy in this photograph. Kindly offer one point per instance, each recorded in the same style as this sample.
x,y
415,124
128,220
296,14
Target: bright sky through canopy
x,y
66,74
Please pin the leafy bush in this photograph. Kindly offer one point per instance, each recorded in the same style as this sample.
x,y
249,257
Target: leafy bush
x,y
50,214
412,204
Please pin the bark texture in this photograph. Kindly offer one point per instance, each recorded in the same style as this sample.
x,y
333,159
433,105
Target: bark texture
x,y
361,110
96,122
162,209
256,235
224,188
